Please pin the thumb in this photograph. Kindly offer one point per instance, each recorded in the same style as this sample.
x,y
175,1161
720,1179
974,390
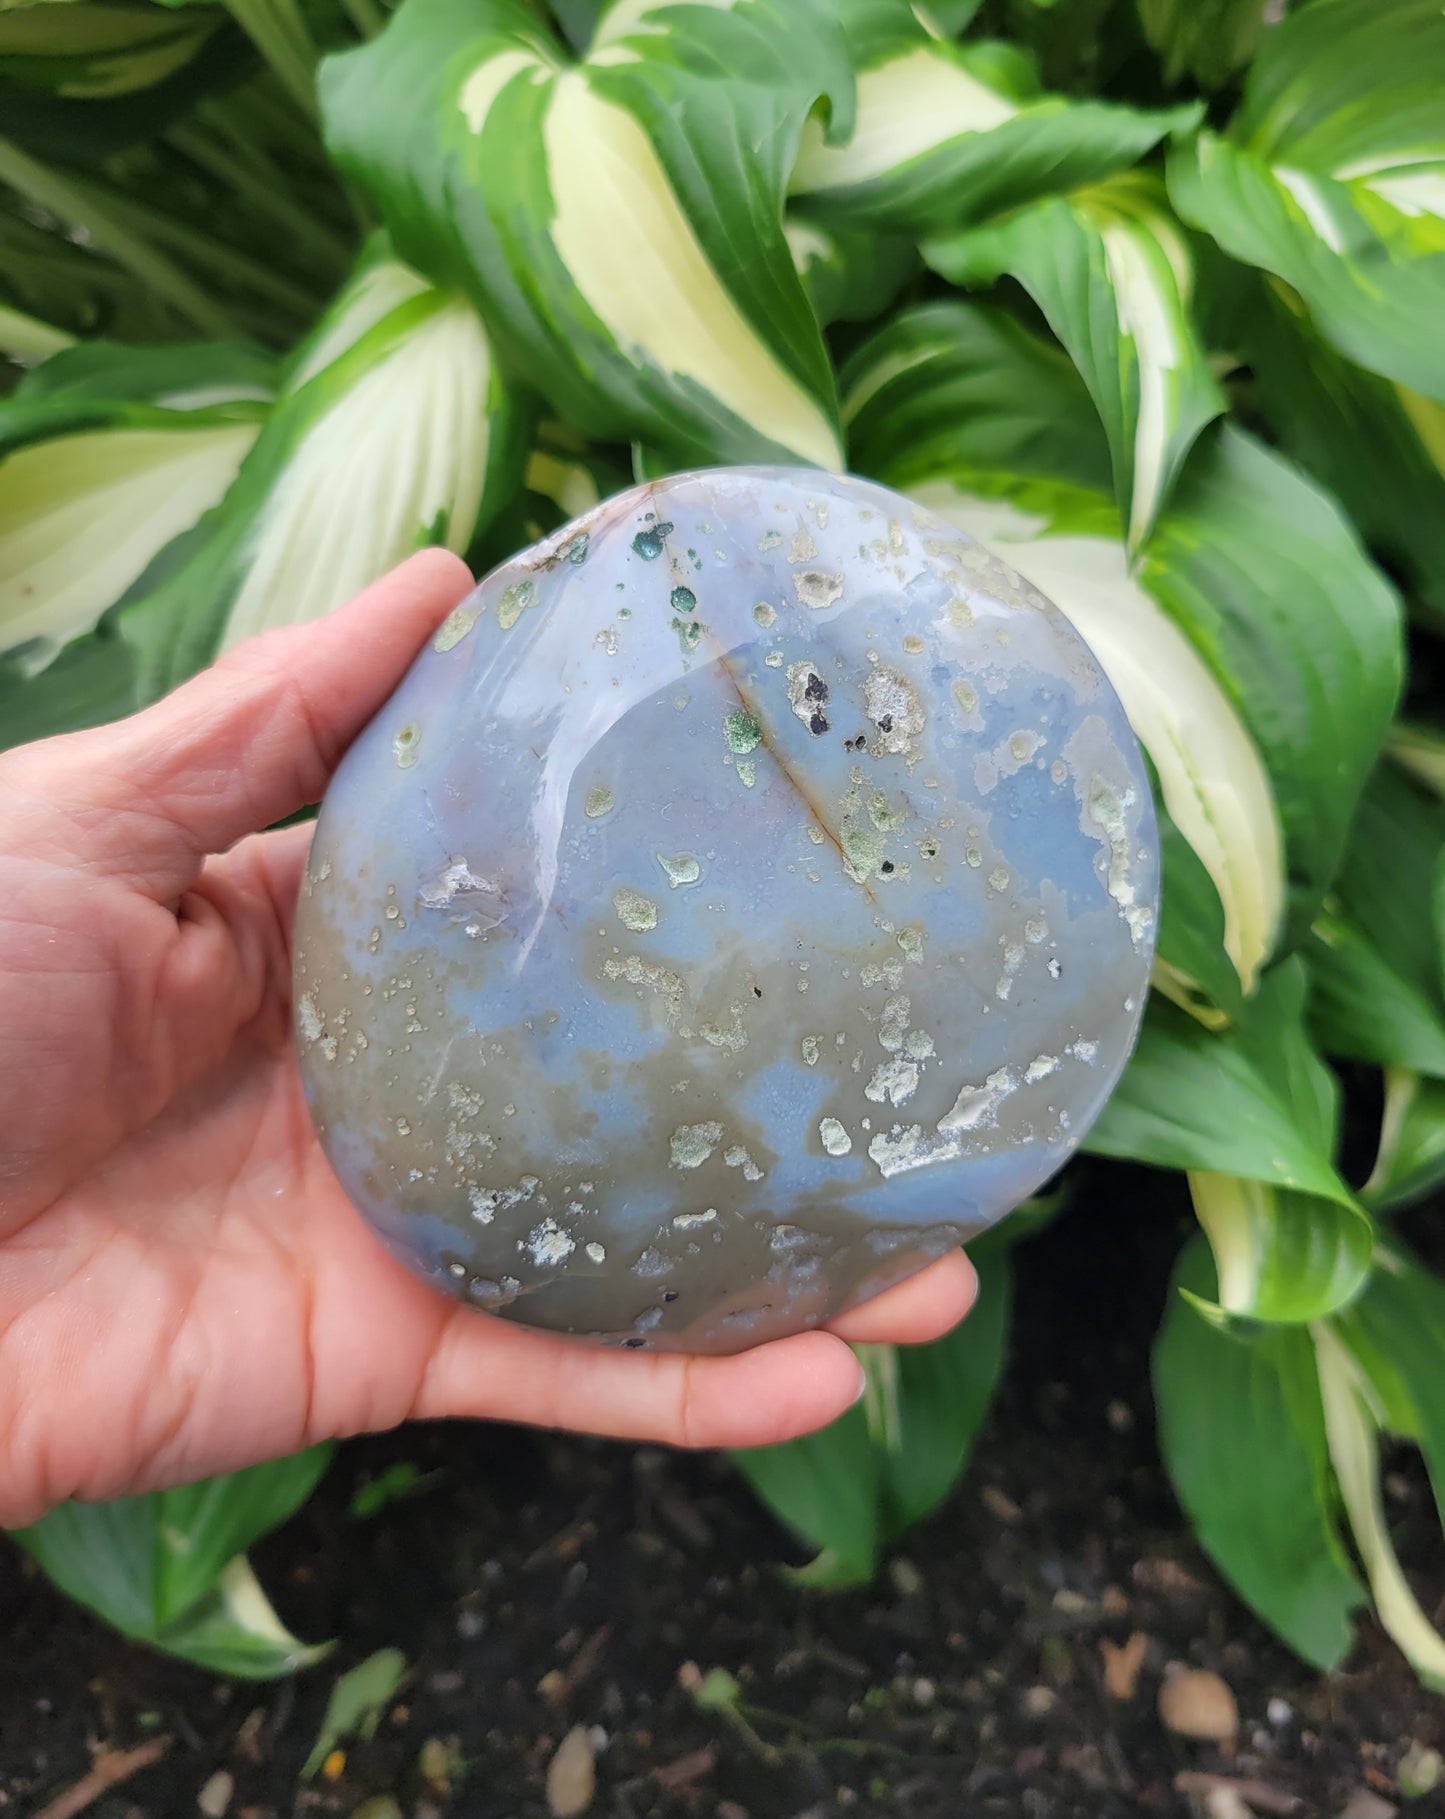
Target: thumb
x,y
238,747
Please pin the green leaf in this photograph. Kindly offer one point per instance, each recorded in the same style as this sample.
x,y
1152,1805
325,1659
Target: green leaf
x,y
1376,951
1332,177
825,1487
619,221
850,273
1410,1159
956,386
948,135
1266,576
88,52
202,1527
166,1568
1324,411
1192,961
391,431
1396,1332
1354,1453
1387,879
944,1392
1364,1008
852,1489
1274,1033
235,1632
1190,1099
1281,1256
1111,272
1206,39
1242,1434
26,338
357,1702
106,455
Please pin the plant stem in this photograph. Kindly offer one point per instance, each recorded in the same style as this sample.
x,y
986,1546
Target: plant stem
x,y
270,201
278,31
81,208
226,261
880,1401
366,16
29,339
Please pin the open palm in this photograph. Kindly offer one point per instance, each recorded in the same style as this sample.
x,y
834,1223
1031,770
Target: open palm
x,y
184,1288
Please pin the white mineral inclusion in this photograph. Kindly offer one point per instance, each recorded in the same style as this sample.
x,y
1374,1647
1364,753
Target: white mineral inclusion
x,y
748,894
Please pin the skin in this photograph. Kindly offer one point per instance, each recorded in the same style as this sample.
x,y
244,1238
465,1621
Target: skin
x,y
184,1287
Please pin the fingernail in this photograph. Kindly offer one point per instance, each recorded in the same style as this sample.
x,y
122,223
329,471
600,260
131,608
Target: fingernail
x,y
862,1389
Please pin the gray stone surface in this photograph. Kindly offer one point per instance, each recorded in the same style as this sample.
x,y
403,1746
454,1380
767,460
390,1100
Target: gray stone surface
x,y
748,894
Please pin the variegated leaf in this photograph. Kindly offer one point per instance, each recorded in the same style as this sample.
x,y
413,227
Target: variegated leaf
x,y
106,455
1323,411
77,50
948,135
618,219
1354,1444
1110,269
1332,176
1281,1255
391,430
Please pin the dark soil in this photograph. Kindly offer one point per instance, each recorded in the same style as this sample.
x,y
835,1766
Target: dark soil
x,y
539,1583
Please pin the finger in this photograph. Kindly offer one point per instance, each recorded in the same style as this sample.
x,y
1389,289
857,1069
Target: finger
x,y
245,743
491,1368
923,1307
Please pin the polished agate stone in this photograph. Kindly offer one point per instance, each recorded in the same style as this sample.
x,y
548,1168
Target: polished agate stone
x,y
747,895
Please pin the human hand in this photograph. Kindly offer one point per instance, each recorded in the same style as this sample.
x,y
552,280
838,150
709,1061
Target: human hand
x,y
184,1288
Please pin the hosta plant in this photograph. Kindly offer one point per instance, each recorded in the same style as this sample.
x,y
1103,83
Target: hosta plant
x,y
1144,294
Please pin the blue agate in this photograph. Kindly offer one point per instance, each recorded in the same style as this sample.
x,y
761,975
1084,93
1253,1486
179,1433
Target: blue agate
x,y
748,894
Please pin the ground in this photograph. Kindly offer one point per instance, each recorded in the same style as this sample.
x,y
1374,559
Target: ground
x,y
536,1584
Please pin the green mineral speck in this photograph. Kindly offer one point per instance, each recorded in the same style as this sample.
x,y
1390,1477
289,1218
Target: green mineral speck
x,y
648,543
765,614
744,735
458,622
514,602
860,838
405,743
883,815
575,551
634,911
747,773
683,600
688,632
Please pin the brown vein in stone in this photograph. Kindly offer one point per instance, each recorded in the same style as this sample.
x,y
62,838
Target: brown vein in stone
x,y
801,788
